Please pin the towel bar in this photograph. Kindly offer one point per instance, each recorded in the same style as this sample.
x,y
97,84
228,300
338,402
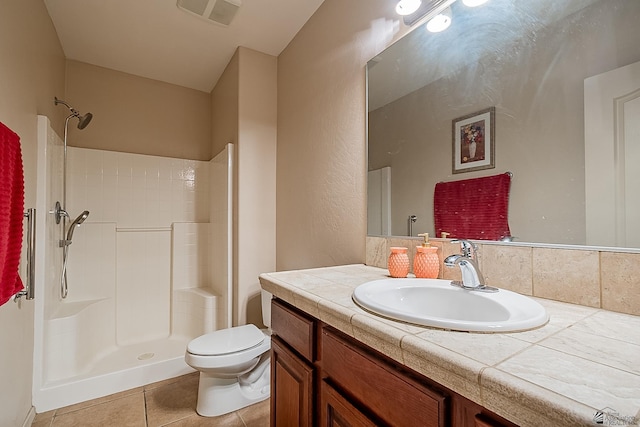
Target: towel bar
x,y
29,286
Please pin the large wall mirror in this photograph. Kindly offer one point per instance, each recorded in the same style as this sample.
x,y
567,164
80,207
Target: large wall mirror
x,y
563,127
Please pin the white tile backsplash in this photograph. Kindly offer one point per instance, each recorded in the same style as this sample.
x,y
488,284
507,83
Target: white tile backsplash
x,y
135,190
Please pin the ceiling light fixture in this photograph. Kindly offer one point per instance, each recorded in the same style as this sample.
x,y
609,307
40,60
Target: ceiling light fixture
x,y
474,3
407,7
440,22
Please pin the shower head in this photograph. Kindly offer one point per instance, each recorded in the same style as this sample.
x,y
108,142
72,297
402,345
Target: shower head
x,y
83,121
76,222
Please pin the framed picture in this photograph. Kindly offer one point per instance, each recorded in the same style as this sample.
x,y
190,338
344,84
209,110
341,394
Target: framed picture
x,y
473,141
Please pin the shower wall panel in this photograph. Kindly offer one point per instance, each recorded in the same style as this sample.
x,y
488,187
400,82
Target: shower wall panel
x,y
48,253
143,196
194,303
137,191
190,256
143,291
91,266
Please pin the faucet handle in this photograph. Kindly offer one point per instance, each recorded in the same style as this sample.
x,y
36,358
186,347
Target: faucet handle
x,y
468,247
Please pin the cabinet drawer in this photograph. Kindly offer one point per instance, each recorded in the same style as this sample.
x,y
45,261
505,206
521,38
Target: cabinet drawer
x,y
293,327
336,411
396,398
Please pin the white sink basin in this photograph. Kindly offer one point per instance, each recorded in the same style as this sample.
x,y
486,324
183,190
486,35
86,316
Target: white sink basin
x,y
435,303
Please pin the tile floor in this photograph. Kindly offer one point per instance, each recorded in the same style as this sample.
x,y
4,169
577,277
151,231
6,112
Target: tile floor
x,y
166,403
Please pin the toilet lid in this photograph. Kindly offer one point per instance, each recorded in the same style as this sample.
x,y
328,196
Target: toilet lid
x,y
226,341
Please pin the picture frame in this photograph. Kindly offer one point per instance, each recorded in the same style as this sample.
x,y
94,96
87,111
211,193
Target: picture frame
x,y
474,141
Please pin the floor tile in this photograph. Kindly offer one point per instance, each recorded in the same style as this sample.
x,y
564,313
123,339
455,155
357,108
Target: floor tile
x,y
127,411
170,381
172,402
228,420
44,416
100,400
256,415
165,403
42,423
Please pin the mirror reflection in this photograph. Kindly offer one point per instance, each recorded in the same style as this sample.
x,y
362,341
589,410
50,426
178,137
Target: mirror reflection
x,y
565,126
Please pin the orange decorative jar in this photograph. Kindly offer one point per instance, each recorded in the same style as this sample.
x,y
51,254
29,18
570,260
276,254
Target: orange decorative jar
x,y
426,264
398,262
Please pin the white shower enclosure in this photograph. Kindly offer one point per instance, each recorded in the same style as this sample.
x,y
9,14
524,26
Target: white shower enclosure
x,y
148,271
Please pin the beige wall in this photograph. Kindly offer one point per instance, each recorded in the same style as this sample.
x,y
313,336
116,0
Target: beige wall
x,y
31,74
256,178
224,107
138,115
321,178
244,110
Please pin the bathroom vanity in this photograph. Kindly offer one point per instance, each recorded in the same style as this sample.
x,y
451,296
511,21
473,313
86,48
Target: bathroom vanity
x,y
319,373
336,364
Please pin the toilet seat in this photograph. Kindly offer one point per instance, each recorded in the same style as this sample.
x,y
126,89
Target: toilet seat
x,y
229,360
226,341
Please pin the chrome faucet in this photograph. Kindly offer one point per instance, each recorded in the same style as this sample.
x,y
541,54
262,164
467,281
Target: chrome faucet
x,y
471,276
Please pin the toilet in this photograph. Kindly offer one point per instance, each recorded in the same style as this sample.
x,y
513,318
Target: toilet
x,y
234,365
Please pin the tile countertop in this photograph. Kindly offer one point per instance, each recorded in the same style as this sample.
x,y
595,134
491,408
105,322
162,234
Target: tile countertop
x,y
584,360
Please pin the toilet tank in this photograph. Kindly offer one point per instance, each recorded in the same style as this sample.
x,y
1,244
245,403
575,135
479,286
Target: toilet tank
x,y
266,308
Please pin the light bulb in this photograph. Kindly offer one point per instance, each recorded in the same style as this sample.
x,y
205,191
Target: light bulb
x,y
474,3
407,7
440,22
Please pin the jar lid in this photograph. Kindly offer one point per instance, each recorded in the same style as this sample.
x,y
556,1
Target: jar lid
x,y
398,249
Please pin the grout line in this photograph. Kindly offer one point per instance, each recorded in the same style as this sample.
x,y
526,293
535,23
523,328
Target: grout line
x,y
144,399
600,276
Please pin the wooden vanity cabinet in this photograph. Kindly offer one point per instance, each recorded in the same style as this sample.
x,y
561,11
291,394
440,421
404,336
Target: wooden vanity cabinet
x,y
293,350
322,377
337,411
292,388
469,414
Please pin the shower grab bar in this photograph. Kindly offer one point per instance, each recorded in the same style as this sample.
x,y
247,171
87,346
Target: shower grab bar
x,y
29,287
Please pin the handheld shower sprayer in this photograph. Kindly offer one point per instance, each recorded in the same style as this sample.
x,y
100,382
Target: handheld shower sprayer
x,y
83,121
76,223
65,251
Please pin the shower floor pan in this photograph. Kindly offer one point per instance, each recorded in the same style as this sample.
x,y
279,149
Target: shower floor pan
x,y
125,368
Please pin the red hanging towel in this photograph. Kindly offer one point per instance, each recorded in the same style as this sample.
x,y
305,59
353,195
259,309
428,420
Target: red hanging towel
x,y
11,213
474,208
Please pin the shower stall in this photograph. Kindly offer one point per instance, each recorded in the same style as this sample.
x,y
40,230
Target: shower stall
x,y
149,271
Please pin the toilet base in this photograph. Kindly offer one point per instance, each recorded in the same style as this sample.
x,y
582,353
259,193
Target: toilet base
x,y
219,396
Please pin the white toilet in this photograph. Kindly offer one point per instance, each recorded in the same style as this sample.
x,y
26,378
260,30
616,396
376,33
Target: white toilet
x,y
234,366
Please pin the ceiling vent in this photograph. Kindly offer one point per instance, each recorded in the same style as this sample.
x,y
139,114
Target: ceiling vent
x,y
219,11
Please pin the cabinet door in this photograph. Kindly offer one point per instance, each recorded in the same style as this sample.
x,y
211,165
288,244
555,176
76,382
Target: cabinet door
x,y
291,388
336,411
